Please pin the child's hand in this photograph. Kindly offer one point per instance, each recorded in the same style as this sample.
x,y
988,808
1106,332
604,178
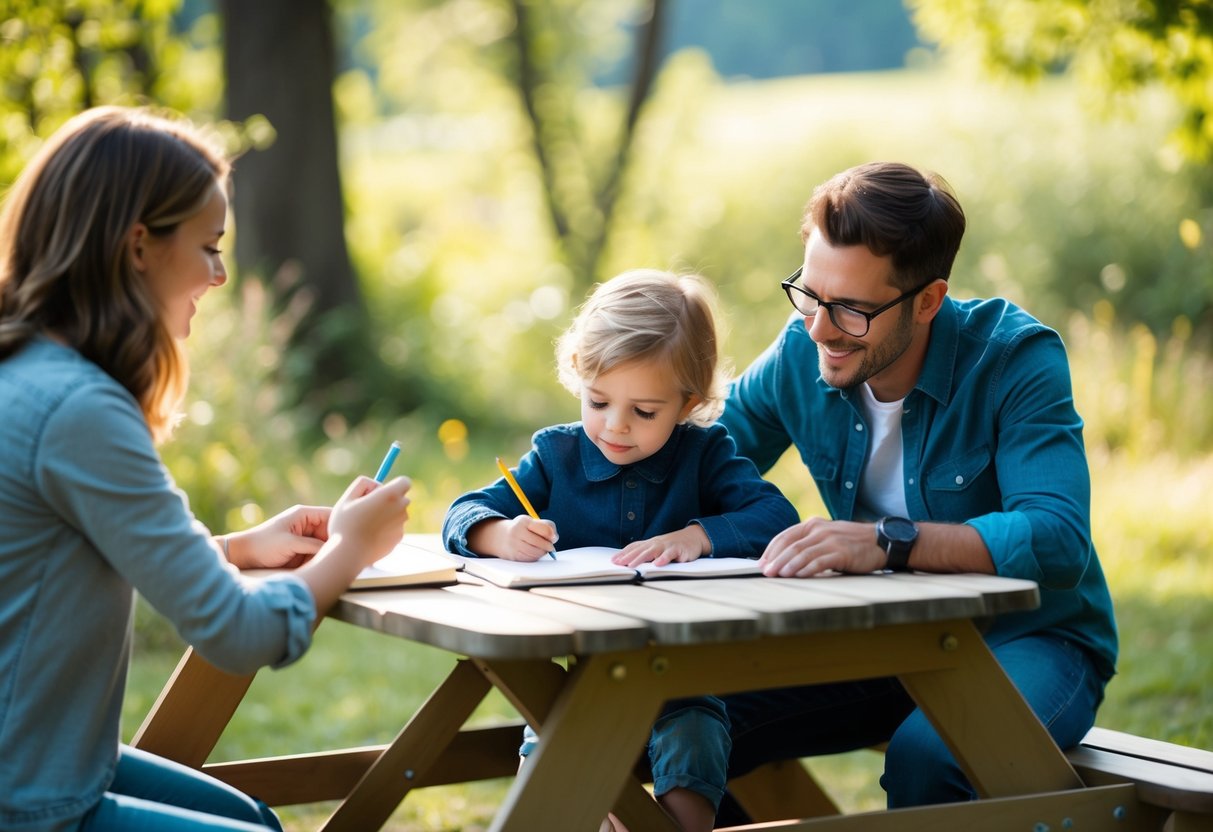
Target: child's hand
x,y
522,538
681,546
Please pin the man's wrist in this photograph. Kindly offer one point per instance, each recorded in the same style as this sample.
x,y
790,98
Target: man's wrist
x,y
897,536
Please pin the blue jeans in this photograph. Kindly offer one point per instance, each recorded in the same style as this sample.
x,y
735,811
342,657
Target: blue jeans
x,y
152,794
1056,677
688,747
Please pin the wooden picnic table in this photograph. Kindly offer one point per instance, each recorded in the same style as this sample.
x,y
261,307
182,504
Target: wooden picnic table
x,y
590,667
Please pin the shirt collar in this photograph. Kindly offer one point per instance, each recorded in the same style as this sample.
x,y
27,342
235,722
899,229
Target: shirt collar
x,y
940,365
654,468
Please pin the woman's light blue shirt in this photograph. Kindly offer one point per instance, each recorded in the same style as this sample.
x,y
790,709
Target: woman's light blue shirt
x,y
88,515
696,477
990,438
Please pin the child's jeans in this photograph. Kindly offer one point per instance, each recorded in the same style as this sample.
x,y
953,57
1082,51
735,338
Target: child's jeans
x,y
688,747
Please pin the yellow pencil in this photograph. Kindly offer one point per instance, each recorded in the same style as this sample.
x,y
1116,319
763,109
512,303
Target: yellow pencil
x,y
517,489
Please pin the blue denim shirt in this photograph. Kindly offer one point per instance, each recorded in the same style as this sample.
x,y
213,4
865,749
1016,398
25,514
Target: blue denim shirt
x,y
88,515
696,477
990,438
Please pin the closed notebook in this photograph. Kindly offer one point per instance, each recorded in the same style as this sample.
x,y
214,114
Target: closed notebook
x,y
405,565
592,565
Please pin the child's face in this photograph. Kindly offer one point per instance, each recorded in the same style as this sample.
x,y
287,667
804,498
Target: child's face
x,y
630,411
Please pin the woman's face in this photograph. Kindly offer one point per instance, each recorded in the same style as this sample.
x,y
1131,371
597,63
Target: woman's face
x,y
181,266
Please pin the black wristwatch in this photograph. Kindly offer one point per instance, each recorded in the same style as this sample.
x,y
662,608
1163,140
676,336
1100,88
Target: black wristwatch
x,y
896,535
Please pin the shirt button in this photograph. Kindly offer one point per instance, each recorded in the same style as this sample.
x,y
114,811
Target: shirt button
x,y
960,480
630,483
911,480
859,426
849,484
631,515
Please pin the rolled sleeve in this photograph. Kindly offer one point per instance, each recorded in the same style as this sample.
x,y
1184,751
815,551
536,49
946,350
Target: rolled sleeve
x,y
1008,537
290,599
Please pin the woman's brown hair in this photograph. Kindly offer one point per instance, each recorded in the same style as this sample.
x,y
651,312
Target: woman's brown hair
x,y
65,267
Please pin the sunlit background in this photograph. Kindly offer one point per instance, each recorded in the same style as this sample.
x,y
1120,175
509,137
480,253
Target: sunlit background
x,y
488,161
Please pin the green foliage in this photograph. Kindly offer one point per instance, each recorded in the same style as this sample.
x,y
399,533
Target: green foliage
x,y
1114,47
464,282
58,57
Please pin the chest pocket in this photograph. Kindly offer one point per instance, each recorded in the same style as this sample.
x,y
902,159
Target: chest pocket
x,y
962,487
822,468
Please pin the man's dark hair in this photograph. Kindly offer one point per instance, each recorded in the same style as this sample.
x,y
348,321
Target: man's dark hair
x,y
893,210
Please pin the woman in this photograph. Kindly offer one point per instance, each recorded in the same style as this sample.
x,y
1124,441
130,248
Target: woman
x,y
108,241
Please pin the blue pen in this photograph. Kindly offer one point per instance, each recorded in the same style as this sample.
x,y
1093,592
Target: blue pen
x,y
388,461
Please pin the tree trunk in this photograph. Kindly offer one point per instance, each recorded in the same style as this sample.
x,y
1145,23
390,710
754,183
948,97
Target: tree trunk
x,y
582,248
279,61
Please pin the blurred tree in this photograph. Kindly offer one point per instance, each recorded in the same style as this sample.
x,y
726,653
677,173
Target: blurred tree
x,y
58,57
1114,46
279,59
551,69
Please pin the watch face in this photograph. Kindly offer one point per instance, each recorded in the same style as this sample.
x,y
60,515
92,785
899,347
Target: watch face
x,y
899,529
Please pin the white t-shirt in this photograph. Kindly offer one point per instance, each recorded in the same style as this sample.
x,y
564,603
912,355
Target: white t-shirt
x,y
882,490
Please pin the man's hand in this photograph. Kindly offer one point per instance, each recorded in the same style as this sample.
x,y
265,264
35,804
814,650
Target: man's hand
x,y
818,545
681,546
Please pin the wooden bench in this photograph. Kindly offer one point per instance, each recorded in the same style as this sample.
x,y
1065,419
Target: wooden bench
x,y
1172,777
1173,783
1167,786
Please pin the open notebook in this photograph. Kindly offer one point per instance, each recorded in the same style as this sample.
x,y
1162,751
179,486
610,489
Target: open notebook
x,y
592,565
406,565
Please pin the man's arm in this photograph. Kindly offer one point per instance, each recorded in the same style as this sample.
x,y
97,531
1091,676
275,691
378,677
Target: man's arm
x,y
818,545
752,411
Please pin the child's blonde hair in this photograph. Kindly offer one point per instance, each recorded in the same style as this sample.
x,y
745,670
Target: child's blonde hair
x,y
648,314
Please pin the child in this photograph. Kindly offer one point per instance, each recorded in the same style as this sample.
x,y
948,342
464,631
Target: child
x,y
643,471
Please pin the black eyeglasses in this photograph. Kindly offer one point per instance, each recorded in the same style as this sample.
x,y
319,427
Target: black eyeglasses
x,y
853,322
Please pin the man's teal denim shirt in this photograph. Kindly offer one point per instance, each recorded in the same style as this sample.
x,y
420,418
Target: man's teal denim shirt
x,y
990,438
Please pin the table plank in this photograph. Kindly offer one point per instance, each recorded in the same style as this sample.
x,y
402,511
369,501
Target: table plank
x,y
594,630
671,619
898,602
999,594
781,609
455,622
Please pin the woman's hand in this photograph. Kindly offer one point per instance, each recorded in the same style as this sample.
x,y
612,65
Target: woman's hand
x,y
288,539
369,517
364,525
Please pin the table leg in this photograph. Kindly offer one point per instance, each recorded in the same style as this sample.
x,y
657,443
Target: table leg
x,y
533,687
191,712
999,743
591,740
414,750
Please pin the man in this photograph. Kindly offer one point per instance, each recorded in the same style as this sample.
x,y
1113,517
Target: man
x,y
942,436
